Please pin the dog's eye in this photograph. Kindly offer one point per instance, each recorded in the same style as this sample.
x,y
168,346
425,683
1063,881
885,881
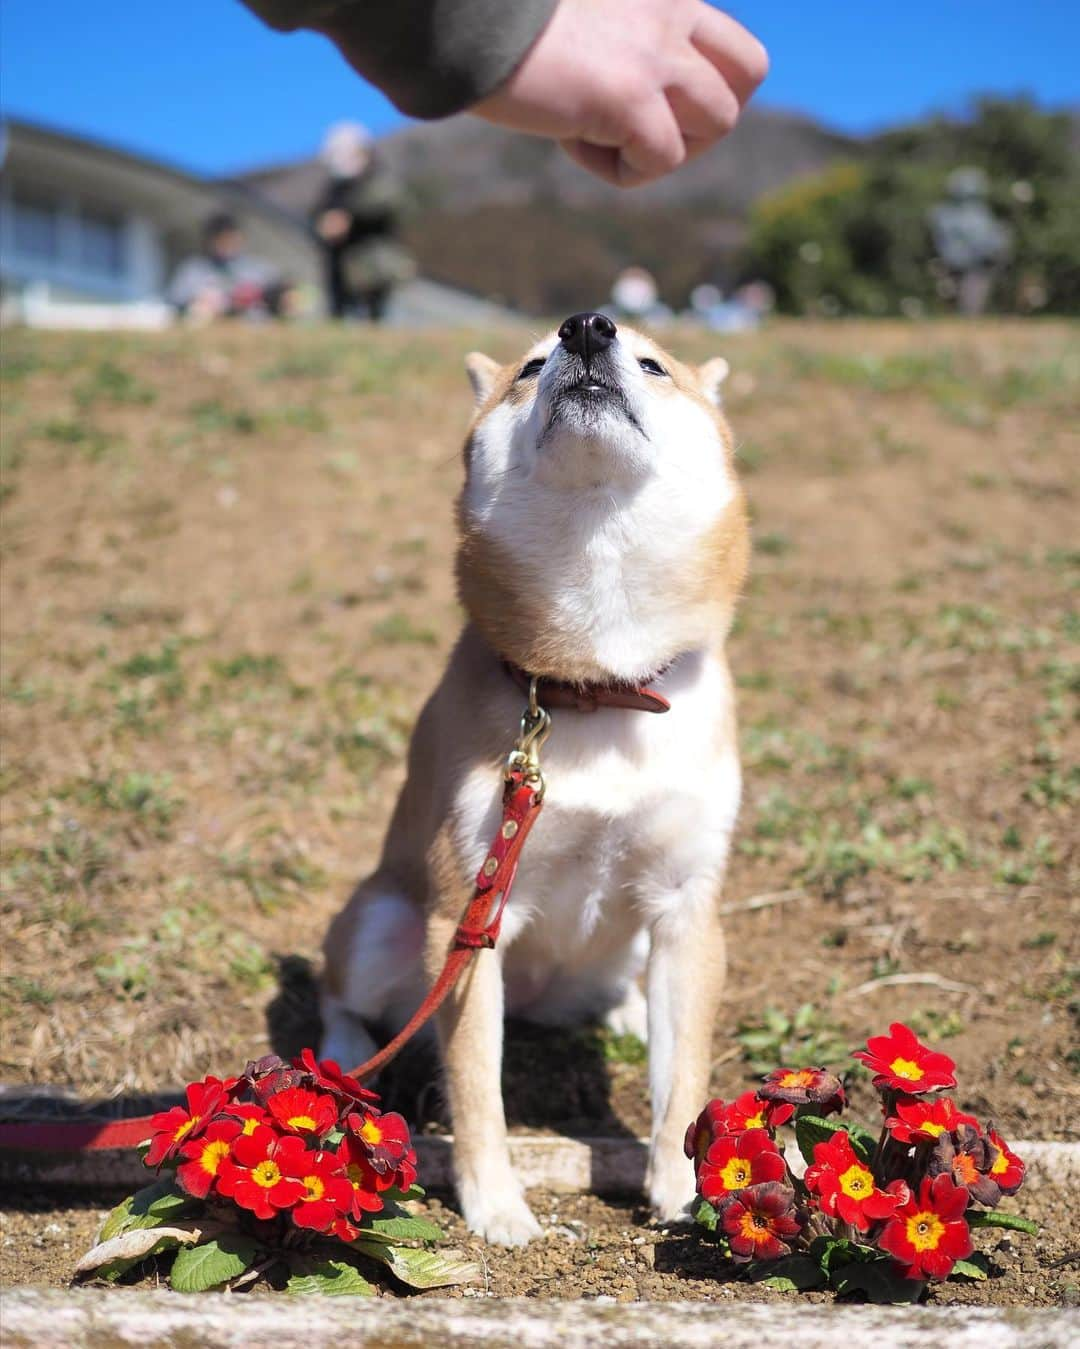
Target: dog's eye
x,y
532,367
651,367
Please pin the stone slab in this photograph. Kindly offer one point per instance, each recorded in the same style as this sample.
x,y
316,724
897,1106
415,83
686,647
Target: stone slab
x,y
110,1319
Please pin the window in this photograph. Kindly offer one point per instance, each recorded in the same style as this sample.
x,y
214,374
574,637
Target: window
x,y
36,227
101,242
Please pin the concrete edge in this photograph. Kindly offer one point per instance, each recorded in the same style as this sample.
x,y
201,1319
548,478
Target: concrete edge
x,y
94,1319
572,1165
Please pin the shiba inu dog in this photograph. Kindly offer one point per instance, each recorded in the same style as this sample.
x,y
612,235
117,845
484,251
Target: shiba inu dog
x,y
603,544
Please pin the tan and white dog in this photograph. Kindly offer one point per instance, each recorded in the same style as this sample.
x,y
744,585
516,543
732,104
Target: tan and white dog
x,y
603,542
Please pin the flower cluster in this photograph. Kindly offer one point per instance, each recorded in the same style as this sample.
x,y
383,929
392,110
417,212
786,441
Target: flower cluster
x,y
905,1200
301,1140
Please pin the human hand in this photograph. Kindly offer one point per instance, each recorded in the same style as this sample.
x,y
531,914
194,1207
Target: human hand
x,y
632,88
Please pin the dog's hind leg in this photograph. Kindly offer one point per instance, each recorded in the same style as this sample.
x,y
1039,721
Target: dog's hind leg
x,y
373,971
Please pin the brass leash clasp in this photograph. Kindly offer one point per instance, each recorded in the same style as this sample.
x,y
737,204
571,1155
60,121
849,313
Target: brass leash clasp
x,y
535,729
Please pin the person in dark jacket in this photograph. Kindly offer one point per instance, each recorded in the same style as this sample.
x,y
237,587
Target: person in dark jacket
x,y
356,221
630,88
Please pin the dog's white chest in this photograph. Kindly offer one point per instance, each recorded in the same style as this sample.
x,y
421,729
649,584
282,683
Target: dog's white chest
x,y
639,807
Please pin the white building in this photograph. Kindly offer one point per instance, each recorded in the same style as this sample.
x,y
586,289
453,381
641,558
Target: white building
x,y
89,235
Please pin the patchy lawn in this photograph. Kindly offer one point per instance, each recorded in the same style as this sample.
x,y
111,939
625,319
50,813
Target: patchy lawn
x,y
227,588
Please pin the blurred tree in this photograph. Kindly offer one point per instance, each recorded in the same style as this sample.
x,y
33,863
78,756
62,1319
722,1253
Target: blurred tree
x,y
854,239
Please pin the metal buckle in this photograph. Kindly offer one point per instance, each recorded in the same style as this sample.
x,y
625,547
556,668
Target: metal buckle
x,y
525,756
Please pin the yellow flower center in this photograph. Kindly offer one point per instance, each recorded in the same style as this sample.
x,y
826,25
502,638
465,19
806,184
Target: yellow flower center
x,y
314,1187
929,1127
250,1125
267,1174
300,1122
907,1069
736,1174
964,1169
184,1129
212,1156
1001,1164
756,1121
925,1230
857,1182
370,1132
754,1227
355,1173
801,1077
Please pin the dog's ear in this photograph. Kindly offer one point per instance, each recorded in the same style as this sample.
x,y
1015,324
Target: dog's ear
x,y
711,376
483,372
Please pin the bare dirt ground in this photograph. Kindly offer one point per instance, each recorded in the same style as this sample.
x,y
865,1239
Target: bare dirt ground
x,y
226,589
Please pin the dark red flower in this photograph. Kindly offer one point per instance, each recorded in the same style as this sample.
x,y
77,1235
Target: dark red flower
x,y
928,1234
327,1193
924,1121
1007,1170
172,1127
900,1063
326,1074
302,1111
269,1075
385,1139
254,1178
708,1127
752,1111
845,1185
804,1086
968,1158
737,1161
204,1156
758,1220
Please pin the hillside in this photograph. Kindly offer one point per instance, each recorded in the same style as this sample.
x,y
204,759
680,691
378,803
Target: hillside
x,y
511,217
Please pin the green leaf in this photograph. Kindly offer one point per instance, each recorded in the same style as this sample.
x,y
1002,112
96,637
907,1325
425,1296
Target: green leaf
x,y
812,1129
706,1215
831,1253
877,1281
791,1274
403,1227
420,1268
149,1207
396,1196
116,1255
327,1277
213,1263
974,1267
996,1219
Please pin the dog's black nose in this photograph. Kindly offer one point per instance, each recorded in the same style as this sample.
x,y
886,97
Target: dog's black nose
x,y
586,334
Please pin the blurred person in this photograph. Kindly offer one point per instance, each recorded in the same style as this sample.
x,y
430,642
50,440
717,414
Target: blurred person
x,y
631,89
356,221
970,241
636,296
223,281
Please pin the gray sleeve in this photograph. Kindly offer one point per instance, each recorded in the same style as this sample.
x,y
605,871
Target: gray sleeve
x,y
430,57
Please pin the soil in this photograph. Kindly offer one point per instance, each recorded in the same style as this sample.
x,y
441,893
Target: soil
x,y
227,587
594,1248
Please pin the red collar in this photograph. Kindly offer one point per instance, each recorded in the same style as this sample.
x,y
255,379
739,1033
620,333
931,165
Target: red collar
x,y
559,693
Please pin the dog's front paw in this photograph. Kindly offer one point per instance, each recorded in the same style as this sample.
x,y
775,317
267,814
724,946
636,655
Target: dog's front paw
x,y
671,1196
500,1216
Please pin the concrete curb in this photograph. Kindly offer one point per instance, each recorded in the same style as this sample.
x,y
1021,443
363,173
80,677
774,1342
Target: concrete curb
x,y
593,1165
96,1319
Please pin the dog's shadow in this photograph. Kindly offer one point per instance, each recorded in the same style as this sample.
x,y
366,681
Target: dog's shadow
x,y
554,1078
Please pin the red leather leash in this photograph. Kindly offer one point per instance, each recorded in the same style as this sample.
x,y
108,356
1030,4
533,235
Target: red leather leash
x,y
523,798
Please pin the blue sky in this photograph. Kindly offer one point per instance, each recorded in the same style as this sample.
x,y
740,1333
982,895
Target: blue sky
x,y
203,84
